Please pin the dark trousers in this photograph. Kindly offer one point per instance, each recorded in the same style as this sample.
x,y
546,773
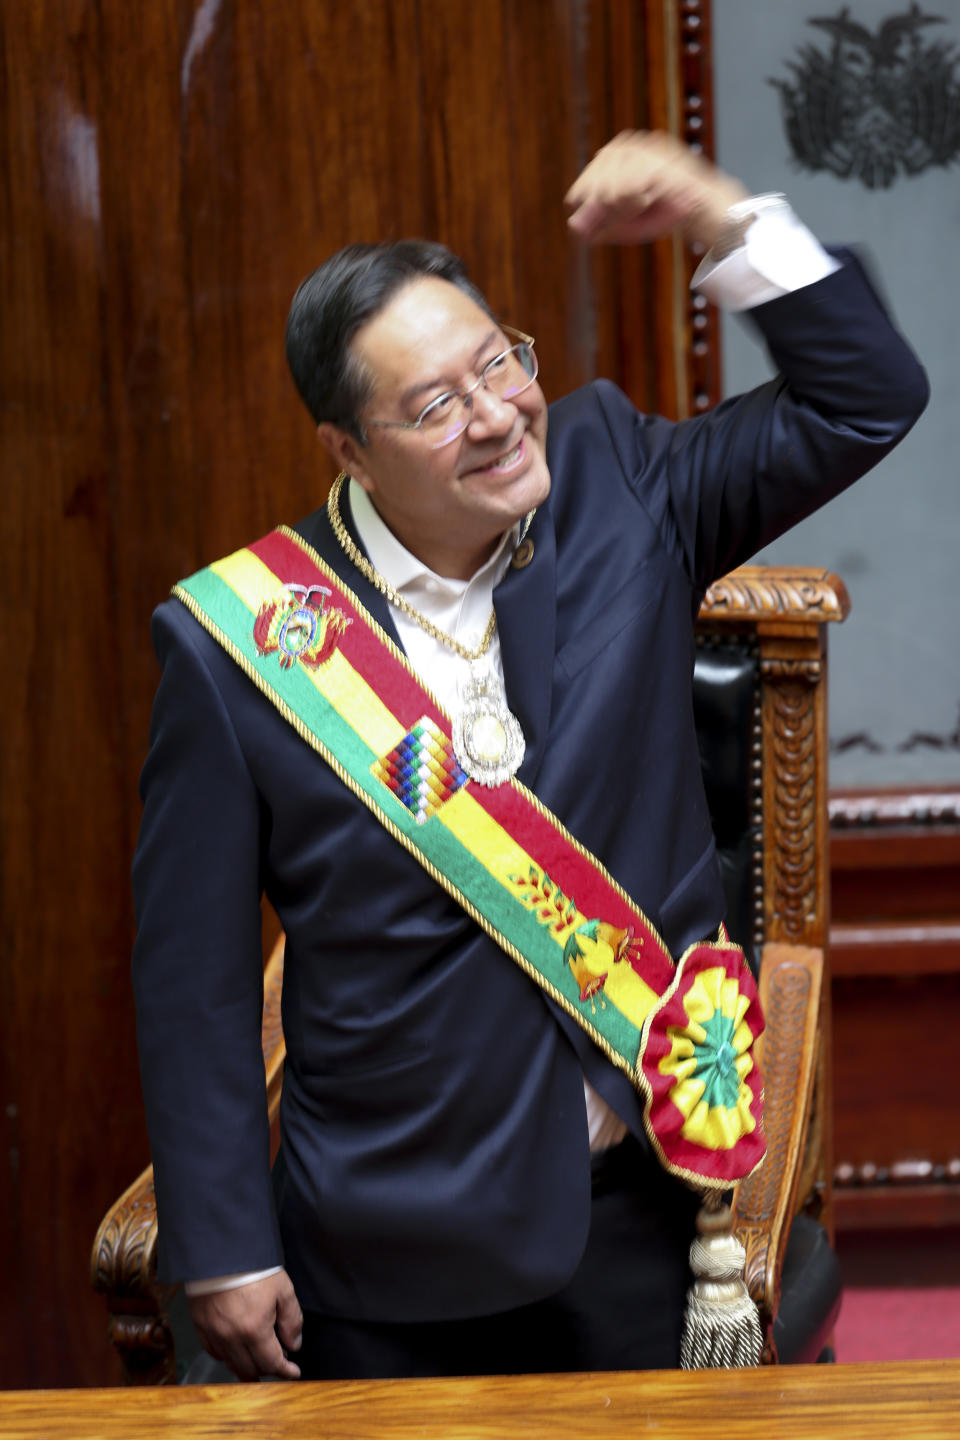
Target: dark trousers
x,y
621,1310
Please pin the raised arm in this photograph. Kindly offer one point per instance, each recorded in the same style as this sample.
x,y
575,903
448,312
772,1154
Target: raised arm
x,y
723,485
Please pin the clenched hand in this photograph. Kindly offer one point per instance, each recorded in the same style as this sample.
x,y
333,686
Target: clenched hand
x,y
645,184
250,1327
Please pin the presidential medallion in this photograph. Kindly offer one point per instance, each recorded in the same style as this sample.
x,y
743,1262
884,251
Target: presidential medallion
x,y
487,739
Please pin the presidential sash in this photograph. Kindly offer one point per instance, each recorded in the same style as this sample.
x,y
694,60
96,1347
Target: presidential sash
x,y
682,1031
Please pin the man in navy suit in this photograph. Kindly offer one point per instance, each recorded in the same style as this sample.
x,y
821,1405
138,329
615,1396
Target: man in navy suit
x,y
463,1182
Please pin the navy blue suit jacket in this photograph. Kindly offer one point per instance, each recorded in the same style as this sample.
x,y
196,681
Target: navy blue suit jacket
x,y
434,1158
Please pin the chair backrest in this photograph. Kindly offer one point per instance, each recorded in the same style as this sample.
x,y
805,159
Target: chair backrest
x,y
727,699
760,698
761,704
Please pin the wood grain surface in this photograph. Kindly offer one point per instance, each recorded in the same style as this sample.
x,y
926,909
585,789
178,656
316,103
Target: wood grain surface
x,y
874,1402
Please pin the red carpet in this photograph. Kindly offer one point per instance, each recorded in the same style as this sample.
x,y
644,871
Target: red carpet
x,y
901,1296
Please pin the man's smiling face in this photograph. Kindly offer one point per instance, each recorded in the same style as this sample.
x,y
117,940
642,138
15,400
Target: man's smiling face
x,y
447,506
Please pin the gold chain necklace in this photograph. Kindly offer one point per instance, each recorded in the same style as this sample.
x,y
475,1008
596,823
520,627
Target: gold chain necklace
x,y
487,739
385,588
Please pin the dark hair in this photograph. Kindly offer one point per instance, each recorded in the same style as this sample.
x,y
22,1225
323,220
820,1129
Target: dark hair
x,y
330,306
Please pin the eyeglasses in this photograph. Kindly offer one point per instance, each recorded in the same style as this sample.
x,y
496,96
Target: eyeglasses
x,y
506,376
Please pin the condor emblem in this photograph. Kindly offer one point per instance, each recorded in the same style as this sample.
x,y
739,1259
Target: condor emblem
x,y
876,104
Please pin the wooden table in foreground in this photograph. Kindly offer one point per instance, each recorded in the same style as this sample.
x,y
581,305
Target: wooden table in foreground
x,y
920,1399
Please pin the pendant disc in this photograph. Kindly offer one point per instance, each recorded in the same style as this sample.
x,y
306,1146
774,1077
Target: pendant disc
x,y
487,739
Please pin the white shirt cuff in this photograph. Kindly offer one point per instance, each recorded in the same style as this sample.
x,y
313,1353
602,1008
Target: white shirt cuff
x,y
229,1282
778,255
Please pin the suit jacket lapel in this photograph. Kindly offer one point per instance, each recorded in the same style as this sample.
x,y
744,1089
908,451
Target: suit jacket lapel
x,y
525,602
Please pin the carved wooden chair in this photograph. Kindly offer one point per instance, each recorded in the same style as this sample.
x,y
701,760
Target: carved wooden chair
x,y
761,699
760,696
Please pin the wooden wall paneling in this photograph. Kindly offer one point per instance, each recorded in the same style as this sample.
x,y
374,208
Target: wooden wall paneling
x,y
545,286
168,173
499,123
658,339
620,313
701,332
667,258
895,939
66,798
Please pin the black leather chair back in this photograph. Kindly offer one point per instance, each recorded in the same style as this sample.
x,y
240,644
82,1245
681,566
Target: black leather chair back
x,y
727,701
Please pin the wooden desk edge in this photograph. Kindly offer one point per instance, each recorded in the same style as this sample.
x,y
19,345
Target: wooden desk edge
x,y
920,1398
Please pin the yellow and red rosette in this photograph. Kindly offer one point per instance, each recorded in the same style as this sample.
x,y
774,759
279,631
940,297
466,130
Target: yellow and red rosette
x,y
704,1093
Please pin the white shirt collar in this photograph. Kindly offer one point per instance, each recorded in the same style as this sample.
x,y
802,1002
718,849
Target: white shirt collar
x,y
401,568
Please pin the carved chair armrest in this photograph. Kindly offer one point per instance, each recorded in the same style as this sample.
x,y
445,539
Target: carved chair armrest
x,y
764,1205
123,1263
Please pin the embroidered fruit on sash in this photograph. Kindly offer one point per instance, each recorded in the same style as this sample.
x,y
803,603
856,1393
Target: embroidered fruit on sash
x,y
593,946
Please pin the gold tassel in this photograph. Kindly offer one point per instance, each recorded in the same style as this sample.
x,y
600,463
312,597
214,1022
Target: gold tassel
x,y
721,1327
